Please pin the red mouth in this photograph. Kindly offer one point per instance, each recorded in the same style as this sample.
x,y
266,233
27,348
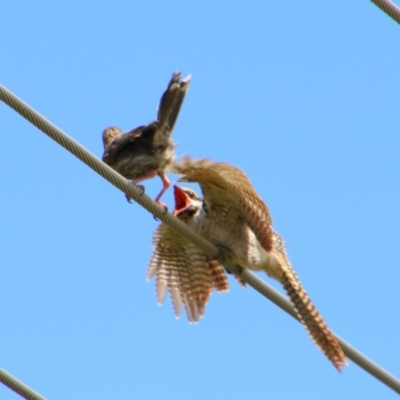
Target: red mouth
x,y
182,200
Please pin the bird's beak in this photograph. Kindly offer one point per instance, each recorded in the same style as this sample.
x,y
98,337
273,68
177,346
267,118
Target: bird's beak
x,y
182,200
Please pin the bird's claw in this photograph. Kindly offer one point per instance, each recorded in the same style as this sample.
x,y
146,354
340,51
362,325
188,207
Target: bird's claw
x,y
140,187
164,207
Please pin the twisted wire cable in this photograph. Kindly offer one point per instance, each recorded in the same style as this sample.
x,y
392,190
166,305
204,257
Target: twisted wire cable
x,y
18,387
208,248
389,8
103,169
352,353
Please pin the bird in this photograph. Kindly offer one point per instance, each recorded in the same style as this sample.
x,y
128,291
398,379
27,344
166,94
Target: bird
x,y
237,221
146,150
182,268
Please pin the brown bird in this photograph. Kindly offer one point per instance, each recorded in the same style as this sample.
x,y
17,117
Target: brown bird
x,y
179,266
145,151
238,222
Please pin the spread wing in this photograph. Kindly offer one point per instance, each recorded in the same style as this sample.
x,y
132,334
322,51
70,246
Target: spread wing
x,y
187,273
229,186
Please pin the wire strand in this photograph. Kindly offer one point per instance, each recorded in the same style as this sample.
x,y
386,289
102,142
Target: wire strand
x,y
352,353
208,248
18,387
389,8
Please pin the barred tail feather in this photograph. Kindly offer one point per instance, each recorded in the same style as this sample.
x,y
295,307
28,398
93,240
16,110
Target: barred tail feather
x,y
312,320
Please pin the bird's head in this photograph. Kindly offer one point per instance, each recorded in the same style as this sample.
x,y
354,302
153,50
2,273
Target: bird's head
x,y
109,135
187,203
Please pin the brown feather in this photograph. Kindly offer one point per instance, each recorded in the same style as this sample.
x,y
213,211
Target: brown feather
x,y
231,187
145,151
185,271
239,221
305,309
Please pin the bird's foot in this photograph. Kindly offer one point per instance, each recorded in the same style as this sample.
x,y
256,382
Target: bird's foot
x,y
164,207
140,187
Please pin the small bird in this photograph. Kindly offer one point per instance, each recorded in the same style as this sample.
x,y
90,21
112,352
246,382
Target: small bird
x,y
179,266
145,151
238,222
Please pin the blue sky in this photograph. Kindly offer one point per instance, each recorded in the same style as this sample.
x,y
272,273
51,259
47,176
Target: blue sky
x,y
303,96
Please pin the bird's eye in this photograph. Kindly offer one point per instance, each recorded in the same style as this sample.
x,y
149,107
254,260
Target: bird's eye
x,y
190,194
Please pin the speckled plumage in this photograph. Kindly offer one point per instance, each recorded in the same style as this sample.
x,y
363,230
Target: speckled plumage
x,y
239,221
145,151
184,270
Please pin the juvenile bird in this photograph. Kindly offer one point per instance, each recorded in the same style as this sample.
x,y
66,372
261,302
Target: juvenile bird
x,y
179,266
145,151
238,222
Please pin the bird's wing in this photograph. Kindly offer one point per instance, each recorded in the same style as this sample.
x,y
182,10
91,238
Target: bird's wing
x,y
158,268
218,276
222,181
229,186
185,271
130,141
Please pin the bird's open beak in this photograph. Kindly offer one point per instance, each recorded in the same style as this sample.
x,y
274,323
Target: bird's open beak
x,y
182,200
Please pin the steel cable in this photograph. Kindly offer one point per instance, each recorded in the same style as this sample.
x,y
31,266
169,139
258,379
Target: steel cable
x,y
389,8
121,183
18,387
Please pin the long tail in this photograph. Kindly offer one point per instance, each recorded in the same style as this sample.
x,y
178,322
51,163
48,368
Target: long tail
x,y
312,320
306,311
